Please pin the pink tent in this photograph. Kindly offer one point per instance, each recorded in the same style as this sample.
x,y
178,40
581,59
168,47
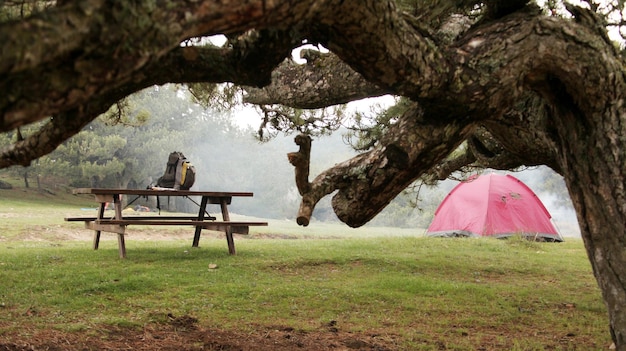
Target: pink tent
x,y
493,205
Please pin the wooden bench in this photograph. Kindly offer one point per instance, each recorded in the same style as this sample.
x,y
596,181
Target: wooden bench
x,y
117,224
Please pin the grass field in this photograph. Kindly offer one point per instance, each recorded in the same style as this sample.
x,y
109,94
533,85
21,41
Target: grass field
x,y
330,288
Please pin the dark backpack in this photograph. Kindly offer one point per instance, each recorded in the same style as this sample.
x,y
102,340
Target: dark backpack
x,y
179,174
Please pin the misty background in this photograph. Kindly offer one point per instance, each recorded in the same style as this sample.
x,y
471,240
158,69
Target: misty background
x,y
132,151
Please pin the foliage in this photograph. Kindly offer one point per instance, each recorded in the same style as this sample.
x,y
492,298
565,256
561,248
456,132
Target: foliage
x,y
220,97
366,129
287,120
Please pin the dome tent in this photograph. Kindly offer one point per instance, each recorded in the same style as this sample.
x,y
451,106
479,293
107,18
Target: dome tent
x,y
493,205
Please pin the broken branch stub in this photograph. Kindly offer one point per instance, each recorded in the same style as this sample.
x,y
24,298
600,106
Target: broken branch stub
x,y
301,160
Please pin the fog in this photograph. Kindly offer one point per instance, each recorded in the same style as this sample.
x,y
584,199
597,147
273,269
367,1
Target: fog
x,y
227,157
243,164
557,202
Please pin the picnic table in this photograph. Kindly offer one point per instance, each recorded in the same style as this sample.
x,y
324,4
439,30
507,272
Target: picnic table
x,y
118,223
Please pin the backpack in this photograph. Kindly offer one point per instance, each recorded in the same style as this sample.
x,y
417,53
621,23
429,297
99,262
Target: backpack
x,y
179,174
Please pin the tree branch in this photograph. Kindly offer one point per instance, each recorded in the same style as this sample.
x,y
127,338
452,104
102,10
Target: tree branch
x,y
44,141
301,161
406,61
444,169
183,64
57,72
333,81
369,181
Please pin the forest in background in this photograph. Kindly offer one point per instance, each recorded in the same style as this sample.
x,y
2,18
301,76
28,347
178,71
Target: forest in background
x,y
130,151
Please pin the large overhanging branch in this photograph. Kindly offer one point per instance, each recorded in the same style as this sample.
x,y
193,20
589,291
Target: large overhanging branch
x,y
249,61
45,140
183,64
494,65
67,29
333,81
82,50
369,181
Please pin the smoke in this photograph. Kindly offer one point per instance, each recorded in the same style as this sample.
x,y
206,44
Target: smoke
x,y
551,190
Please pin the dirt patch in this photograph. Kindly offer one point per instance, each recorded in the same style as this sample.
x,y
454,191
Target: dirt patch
x,y
60,233
183,334
76,232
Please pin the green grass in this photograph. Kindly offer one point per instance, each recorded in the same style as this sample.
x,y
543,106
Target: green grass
x,y
420,288
23,210
454,294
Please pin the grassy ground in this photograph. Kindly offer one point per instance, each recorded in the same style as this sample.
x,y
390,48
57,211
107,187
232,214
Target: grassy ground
x,y
321,291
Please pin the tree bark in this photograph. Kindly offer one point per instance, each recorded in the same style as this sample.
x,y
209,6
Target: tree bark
x,y
90,49
592,155
336,82
368,182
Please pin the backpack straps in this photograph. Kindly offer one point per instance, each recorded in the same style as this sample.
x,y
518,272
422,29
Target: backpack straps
x,y
179,173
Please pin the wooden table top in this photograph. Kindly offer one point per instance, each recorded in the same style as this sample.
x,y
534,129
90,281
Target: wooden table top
x,y
158,192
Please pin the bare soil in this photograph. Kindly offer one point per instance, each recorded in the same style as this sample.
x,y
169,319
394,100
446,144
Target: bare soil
x,y
183,334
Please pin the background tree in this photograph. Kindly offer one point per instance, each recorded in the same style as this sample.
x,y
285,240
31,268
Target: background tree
x,y
520,86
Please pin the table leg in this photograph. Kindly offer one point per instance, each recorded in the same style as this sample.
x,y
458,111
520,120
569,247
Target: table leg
x,y
96,234
117,200
229,231
121,245
196,236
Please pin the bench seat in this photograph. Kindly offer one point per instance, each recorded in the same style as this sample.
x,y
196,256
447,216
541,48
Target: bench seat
x,y
119,225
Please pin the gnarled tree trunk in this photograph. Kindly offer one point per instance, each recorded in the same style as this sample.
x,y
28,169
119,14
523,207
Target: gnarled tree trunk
x,y
592,156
